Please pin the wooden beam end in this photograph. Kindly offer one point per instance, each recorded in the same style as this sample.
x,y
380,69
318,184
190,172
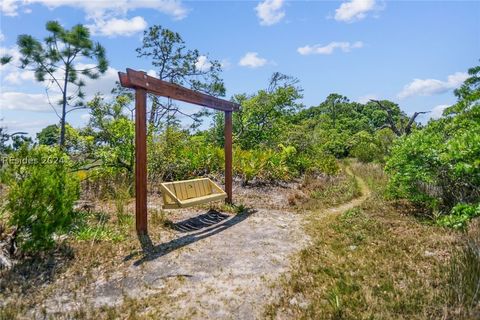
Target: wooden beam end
x,y
124,81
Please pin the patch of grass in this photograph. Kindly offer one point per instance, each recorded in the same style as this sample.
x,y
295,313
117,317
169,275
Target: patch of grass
x,y
229,208
370,262
95,227
372,174
159,218
125,220
99,233
325,191
463,292
99,242
121,198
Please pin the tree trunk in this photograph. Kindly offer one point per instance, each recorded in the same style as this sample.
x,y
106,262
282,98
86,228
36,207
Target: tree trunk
x,y
153,111
64,110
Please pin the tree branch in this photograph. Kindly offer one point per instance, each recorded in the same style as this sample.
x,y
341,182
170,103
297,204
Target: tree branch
x,y
391,122
408,128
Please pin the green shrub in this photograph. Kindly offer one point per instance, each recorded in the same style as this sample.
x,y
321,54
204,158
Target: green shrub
x,y
439,166
364,147
460,215
41,194
249,164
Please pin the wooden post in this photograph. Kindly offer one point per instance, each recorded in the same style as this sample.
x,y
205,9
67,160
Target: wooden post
x,y
141,160
228,156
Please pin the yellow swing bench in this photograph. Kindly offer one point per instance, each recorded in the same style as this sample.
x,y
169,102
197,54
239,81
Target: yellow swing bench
x,y
187,193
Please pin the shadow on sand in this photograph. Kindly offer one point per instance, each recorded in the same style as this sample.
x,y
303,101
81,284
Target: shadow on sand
x,y
208,224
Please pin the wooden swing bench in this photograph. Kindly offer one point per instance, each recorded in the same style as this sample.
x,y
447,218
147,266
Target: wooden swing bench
x,y
187,193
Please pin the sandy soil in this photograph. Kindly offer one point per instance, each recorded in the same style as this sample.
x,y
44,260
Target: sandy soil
x,y
215,266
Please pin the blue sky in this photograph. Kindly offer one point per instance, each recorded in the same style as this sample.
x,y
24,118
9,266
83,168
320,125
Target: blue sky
x,y
413,53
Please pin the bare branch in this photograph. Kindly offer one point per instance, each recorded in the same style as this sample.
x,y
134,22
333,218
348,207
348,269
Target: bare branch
x,y
51,105
391,122
408,127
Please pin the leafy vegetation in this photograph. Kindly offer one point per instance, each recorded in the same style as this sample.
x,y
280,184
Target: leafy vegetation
x,y
41,194
439,166
374,260
368,262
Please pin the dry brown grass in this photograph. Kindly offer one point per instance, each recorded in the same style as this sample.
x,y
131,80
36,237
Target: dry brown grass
x,y
463,292
110,237
318,192
97,247
370,262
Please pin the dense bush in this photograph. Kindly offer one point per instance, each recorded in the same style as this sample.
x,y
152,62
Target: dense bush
x,y
439,166
41,194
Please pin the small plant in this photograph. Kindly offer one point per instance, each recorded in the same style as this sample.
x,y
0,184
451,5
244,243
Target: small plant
x,y
41,194
100,232
159,218
351,213
336,303
94,227
121,197
230,208
460,215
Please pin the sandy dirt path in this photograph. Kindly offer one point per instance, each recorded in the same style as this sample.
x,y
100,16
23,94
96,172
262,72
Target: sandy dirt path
x,y
224,271
365,193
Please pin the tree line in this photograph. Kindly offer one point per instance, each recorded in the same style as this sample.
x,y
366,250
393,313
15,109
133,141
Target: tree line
x,y
276,137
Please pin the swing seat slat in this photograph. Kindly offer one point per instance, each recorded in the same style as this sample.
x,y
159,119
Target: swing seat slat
x,y
187,193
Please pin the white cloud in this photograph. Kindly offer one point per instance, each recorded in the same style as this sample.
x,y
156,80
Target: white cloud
x,y
9,7
37,102
329,48
203,64
104,84
22,126
13,52
270,12
85,117
111,8
152,73
252,60
2,36
427,87
118,27
225,64
437,111
19,76
10,73
354,10
109,17
366,98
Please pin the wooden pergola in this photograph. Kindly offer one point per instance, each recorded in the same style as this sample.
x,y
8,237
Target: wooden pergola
x,y
143,84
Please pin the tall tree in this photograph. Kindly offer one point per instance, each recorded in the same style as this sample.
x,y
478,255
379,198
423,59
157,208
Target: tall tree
x,y
334,101
49,135
54,62
265,115
468,94
175,63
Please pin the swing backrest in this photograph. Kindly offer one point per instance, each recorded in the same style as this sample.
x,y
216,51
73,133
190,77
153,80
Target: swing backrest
x,y
187,193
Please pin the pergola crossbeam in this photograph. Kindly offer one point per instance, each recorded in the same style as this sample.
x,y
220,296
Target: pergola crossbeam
x,y
138,79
